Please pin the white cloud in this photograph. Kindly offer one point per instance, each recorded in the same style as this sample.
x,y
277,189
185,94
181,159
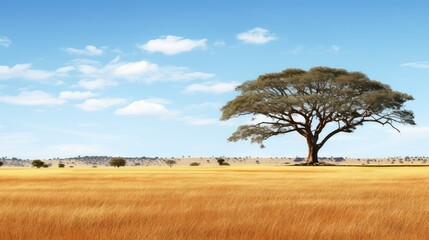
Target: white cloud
x,y
335,48
24,71
83,61
211,87
177,74
96,84
140,71
132,69
256,36
170,45
416,64
87,70
194,121
219,43
32,98
5,41
144,107
65,70
91,105
93,75
89,50
115,60
69,95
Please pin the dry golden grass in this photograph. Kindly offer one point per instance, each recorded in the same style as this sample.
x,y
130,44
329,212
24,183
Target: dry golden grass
x,y
215,203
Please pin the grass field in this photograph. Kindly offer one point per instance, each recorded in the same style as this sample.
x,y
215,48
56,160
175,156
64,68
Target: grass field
x,y
215,203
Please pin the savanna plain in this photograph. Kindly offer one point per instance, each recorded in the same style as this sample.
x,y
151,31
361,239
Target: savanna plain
x,y
244,202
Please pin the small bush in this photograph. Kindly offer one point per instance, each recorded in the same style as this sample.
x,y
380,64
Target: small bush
x,y
94,166
61,165
194,164
46,165
71,167
1,164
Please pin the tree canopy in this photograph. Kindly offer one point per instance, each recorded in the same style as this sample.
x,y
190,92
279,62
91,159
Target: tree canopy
x,y
309,102
170,162
117,162
37,163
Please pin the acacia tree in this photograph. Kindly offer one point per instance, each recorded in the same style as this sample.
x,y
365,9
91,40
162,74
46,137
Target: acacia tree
x,y
37,163
117,162
170,162
317,104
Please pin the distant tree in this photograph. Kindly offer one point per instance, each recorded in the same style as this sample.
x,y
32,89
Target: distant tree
x,y
222,162
61,165
37,163
1,164
170,162
317,104
117,162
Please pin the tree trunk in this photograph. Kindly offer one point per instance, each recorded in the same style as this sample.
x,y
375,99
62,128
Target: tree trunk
x,y
312,157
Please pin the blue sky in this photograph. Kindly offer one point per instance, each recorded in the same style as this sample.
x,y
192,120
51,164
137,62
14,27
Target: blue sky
x,y
147,78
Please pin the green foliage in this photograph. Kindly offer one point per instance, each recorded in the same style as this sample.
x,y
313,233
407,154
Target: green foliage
x,y
37,163
170,162
61,165
306,102
45,165
194,164
117,162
